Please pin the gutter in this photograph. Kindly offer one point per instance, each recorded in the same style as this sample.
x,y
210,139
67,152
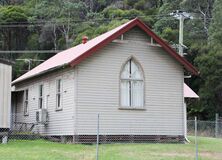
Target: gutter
x,y
5,61
41,73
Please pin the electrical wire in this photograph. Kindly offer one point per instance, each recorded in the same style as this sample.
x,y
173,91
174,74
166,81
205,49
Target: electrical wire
x,y
61,22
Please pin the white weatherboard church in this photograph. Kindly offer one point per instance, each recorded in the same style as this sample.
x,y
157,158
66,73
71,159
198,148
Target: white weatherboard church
x,y
129,75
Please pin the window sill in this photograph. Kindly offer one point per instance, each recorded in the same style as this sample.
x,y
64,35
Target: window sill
x,y
132,108
58,109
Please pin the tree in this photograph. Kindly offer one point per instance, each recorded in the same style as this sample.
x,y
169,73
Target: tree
x,y
210,66
10,2
70,12
59,16
203,8
13,37
166,22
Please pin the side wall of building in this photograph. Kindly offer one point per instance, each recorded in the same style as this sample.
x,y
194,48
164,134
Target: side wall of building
x,y
98,90
61,122
5,94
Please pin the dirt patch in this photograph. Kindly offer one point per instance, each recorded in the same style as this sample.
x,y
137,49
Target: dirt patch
x,y
211,155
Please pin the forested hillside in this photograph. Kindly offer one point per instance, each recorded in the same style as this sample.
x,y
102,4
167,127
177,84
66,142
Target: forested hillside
x,y
43,25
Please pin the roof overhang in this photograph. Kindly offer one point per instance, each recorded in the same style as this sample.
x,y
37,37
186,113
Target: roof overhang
x,y
5,61
41,73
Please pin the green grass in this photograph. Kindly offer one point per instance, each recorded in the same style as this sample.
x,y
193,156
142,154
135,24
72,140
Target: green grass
x,y
209,149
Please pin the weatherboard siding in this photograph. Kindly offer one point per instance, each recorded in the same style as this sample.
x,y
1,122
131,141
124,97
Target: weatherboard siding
x,y
5,94
60,122
98,90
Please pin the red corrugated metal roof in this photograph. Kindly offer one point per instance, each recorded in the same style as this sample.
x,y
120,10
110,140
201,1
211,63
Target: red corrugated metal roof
x,y
188,92
76,54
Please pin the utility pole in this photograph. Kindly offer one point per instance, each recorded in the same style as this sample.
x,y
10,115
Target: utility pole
x,y
181,16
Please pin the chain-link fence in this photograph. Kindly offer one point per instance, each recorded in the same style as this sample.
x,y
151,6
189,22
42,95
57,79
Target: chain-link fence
x,y
205,128
107,138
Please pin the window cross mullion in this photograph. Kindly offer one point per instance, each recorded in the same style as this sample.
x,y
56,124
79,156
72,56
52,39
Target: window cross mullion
x,y
130,79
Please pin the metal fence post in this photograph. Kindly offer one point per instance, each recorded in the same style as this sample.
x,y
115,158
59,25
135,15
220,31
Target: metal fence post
x,y
216,125
196,143
97,139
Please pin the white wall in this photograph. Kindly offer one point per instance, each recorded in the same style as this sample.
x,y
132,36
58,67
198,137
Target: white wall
x,y
5,95
60,122
98,90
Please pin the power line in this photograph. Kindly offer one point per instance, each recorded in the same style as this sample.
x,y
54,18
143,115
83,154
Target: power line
x,y
31,51
85,20
62,23
58,21
41,23
18,25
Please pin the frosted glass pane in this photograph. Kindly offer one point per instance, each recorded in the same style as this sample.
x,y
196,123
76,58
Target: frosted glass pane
x,y
137,94
125,93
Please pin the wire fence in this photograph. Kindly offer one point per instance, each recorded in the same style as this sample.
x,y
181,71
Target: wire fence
x,y
205,128
107,139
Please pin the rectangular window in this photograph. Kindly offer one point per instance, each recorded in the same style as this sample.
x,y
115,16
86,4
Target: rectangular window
x,y
41,96
132,93
26,101
58,94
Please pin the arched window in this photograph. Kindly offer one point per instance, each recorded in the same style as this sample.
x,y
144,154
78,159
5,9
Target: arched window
x,y
132,85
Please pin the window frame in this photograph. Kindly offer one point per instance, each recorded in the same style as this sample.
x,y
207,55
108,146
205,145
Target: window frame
x,y
59,94
26,102
41,96
131,107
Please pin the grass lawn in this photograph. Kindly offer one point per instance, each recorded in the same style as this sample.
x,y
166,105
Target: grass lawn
x,y
209,149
